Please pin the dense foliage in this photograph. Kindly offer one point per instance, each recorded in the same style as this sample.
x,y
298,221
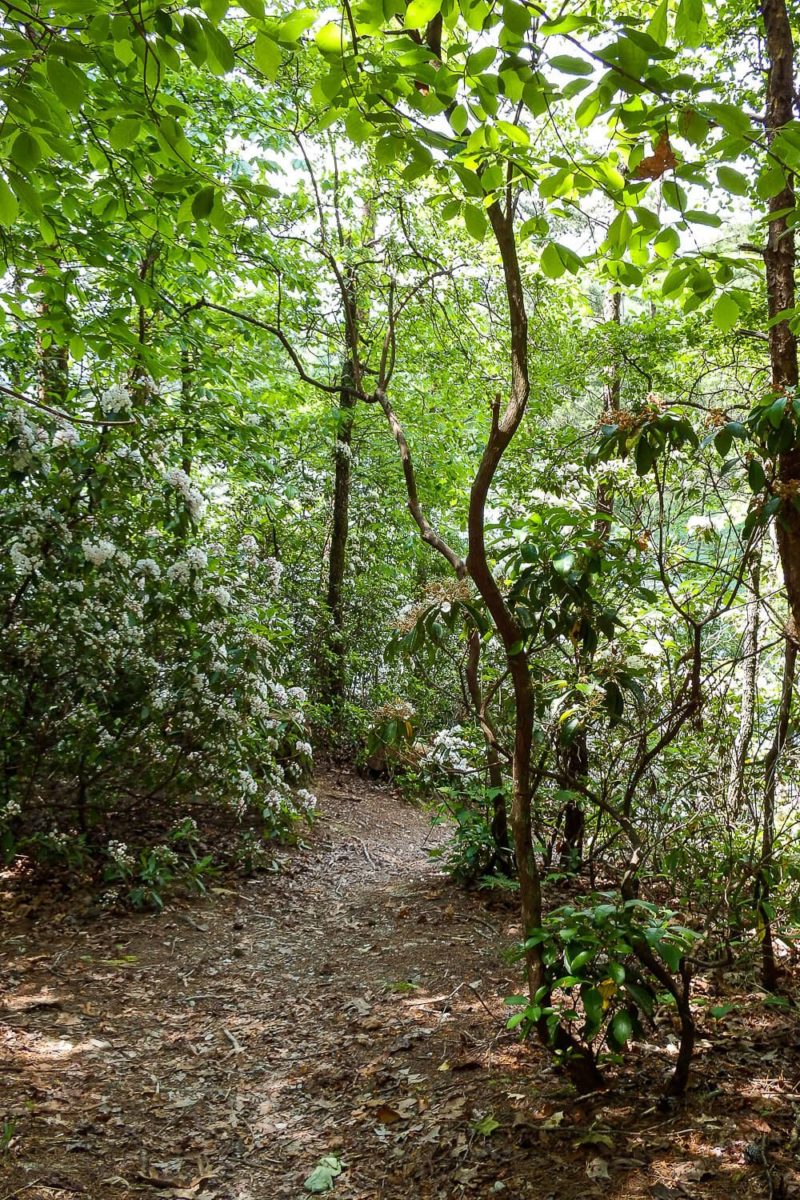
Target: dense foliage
x,y
436,362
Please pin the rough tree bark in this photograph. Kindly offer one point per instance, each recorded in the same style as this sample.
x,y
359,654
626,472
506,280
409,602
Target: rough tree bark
x,y
332,683
779,261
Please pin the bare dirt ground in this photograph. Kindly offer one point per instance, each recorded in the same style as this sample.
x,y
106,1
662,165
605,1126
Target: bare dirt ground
x,y
350,1006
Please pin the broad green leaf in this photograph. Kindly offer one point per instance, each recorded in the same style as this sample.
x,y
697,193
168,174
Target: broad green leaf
x,y
420,12
732,181
459,119
725,313
622,1027
514,133
329,38
756,477
658,29
771,181
124,133
203,202
267,56
67,83
322,1177
551,261
26,150
475,221
570,65
9,208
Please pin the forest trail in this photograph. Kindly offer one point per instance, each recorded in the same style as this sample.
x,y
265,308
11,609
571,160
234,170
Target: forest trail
x,y
350,1006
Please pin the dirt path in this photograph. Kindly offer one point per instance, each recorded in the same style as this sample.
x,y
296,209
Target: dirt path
x,y
350,1006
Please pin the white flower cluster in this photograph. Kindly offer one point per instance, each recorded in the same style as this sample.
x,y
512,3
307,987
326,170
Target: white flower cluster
x,y
119,853
192,498
67,435
148,566
274,572
307,800
197,558
247,783
221,595
116,400
32,442
22,562
99,552
447,751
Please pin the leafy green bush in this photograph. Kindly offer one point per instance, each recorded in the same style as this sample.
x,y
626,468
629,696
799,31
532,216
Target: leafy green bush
x,y
141,658
599,961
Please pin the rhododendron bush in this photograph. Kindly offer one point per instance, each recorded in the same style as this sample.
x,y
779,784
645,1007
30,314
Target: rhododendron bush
x,y
140,664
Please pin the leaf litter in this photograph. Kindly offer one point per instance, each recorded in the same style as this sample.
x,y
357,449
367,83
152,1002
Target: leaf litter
x,y
339,1028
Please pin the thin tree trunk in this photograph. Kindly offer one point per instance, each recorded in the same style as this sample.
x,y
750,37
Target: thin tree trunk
x,y
502,856
612,386
779,261
333,680
744,734
769,969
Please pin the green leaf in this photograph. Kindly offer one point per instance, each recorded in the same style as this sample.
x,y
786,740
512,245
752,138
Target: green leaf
x,y
568,64
756,477
486,1126
645,455
124,133
666,242
322,1177
203,202
671,954
26,151
293,27
420,12
267,56
514,133
733,181
658,29
551,261
329,38
690,23
725,313
67,83
478,62
475,221
771,181
459,119
9,208
563,562
622,1028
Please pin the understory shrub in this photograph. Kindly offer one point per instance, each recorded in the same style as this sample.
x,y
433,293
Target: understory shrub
x,y
142,649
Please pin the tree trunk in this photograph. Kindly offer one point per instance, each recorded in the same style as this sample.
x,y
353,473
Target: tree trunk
x,y
779,261
604,497
769,969
334,672
502,858
744,734
333,680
